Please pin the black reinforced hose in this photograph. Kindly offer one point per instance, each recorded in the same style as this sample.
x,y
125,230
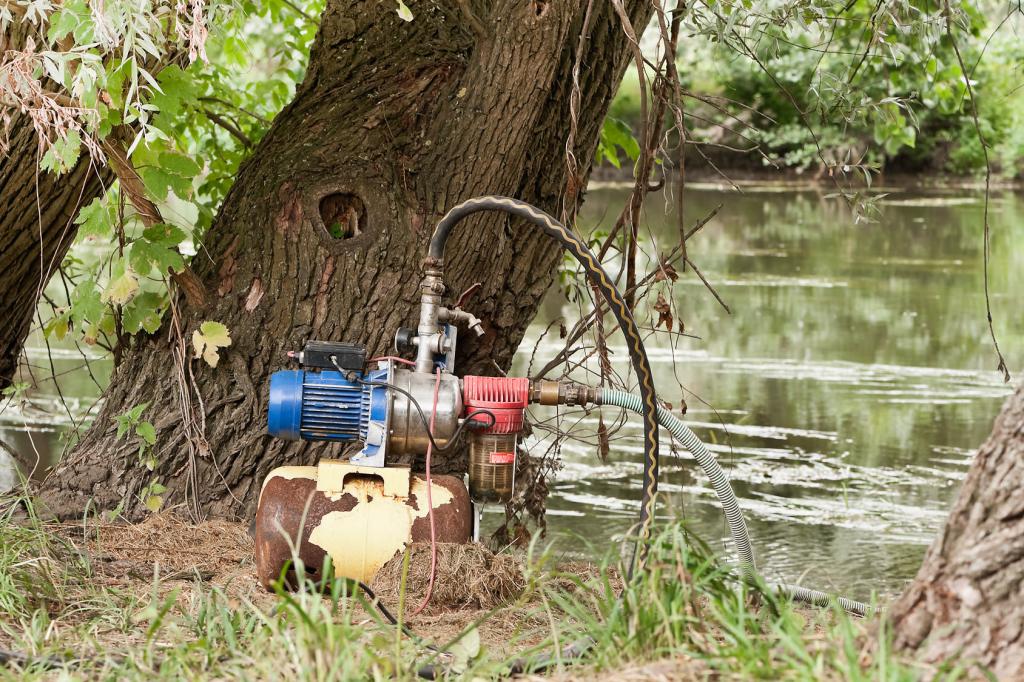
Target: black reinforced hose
x,y
599,278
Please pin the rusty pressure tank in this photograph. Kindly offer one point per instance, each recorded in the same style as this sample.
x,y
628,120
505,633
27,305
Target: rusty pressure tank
x,y
360,516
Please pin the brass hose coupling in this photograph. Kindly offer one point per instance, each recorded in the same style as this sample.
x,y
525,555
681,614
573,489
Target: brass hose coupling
x,y
545,392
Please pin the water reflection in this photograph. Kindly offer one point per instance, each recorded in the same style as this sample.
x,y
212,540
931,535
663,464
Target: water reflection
x,y
39,423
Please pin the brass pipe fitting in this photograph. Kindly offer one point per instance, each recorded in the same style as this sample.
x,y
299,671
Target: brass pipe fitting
x,y
546,392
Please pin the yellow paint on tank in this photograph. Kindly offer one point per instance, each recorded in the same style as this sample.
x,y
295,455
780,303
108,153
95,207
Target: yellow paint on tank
x,y
289,472
363,539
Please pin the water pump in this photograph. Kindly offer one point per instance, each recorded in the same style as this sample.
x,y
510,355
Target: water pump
x,y
362,510
386,409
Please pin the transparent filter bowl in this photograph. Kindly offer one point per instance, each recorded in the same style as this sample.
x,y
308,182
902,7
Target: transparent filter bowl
x,y
492,466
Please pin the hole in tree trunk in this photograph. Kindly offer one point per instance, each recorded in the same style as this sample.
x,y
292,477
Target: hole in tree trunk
x,y
344,215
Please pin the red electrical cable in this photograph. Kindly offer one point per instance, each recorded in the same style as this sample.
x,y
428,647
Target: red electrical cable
x,y
392,357
430,504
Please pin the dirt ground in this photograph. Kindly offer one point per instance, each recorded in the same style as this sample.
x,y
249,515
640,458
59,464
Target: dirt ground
x,y
472,584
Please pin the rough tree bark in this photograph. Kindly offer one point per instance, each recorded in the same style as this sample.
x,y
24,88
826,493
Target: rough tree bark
x,y
394,123
966,603
36,228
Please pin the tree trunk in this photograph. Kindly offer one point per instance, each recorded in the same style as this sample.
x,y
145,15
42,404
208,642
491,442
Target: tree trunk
x,y
395,123
967,601
36,228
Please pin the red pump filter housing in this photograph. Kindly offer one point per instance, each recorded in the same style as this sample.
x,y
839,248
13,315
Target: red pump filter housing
x,y
492,451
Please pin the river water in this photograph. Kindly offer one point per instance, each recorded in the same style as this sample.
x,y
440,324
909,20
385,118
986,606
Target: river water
x,y
845,394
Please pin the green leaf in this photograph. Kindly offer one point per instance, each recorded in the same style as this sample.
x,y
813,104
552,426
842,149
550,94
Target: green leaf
x,y
164,234
86,303
66,151
179,164
616,134
115,79
178,88
137,411
57,327
151,323
16,390
145,255
62,22
96,220
208,339
158,181
106,325
144,312
123,424
50,161
147,432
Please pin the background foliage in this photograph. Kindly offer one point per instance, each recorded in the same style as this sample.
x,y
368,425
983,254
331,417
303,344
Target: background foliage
x,y
190,89
187,103
807,85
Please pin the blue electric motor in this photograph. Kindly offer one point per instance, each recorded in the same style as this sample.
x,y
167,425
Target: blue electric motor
x,y
321,404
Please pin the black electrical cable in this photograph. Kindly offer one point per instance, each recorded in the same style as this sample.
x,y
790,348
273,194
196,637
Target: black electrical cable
x,y
390,617
468,422
599,278
471,423
453,441
521,666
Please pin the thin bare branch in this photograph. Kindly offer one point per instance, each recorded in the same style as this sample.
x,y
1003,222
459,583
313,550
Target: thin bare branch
x,y
1001,365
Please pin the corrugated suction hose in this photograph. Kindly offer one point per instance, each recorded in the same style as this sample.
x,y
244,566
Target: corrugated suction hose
x,y
730,505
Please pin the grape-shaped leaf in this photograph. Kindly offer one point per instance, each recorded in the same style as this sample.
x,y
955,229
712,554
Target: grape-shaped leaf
x,y
208,339
86,304
122,289
96,220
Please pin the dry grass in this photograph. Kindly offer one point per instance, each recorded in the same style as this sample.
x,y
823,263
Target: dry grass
x,y
167,548
466,576
175,544
166,553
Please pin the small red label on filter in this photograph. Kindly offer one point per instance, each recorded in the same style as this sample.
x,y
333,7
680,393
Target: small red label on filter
x,y
503,458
